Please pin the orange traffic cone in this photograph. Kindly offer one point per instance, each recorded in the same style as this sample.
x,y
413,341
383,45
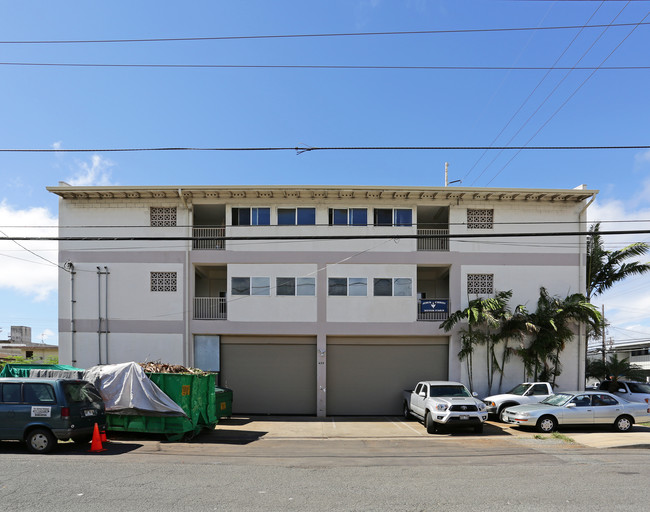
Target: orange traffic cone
x,y
96,445
104,439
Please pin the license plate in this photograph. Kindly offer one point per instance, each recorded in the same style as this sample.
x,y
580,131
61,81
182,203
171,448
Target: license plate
x,y
464,417
90,412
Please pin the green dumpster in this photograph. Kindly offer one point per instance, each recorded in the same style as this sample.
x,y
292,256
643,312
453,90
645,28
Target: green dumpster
x,y
194,393
223,397
23,370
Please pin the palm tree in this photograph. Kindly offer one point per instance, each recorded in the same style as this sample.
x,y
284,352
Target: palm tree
x,y
614,369
606,268
482,316
514,325
553,319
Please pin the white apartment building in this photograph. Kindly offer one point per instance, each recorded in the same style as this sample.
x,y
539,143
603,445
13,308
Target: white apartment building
x,y
315,300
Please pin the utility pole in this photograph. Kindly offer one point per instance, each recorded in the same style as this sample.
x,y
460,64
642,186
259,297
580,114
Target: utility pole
x,y
604,347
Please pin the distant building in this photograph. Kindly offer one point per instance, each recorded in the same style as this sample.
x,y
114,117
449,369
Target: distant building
x,y
20,344
318,300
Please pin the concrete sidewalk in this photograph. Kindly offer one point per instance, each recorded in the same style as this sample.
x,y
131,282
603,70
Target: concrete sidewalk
x,y
298,427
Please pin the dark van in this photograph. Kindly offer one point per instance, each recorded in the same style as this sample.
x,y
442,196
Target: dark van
x,y
42,411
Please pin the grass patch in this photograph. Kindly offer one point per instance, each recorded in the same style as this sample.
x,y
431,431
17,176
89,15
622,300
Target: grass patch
x,y
555,435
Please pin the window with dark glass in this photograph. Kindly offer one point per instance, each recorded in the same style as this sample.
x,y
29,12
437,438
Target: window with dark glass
x,y
306,216
338,217
383,216
251,216
285,286
337,286
241,286
403,217
358,216
383,287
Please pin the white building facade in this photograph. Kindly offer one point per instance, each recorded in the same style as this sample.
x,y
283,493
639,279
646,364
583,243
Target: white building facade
x,y
315,300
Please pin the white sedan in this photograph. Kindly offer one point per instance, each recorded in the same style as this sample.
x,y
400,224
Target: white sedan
x,y
579,408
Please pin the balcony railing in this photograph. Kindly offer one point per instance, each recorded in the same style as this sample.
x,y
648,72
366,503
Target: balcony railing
x,y
211,238
432,316
210,308
433,240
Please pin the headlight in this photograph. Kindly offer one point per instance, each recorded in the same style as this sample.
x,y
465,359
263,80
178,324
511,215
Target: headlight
x,y
524,414
490,404
441,407
481,406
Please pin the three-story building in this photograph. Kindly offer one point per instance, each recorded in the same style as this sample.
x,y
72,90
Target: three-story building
x,y
318,300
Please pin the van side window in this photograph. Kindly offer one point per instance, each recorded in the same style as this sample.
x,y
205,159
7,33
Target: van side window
x,y
11,392
34,393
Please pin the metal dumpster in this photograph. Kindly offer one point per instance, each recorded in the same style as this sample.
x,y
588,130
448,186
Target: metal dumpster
x,y
194,393
223,397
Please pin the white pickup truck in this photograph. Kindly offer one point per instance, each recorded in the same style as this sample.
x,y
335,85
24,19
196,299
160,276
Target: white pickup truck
x,y
442,404
525,393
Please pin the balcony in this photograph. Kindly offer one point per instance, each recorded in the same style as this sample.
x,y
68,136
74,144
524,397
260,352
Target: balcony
x,y
210,308
426,315
210,238
433,240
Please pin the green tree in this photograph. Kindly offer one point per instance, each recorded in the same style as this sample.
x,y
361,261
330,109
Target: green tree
x,y
514,326
483,317
606,268
554,319
614,369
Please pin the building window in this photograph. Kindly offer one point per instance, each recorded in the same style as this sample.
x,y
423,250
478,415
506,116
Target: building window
x,y
29,354
393,217
383,287
480,218
296,216
348,217
163,217
306,286
251,216
163,281
402,287
347,286
285,286
260,286
480,284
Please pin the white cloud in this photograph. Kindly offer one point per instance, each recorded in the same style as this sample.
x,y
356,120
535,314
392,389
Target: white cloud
x,y
642,159
45,335
93,173
21,270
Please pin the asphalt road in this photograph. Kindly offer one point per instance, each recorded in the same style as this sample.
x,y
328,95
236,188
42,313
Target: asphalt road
x,y
450,473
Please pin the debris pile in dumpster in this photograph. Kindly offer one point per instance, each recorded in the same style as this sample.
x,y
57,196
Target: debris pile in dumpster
x,y
158,367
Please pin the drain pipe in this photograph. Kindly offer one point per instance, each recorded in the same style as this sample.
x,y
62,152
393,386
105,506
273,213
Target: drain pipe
x,y
99,314
68,265
106,273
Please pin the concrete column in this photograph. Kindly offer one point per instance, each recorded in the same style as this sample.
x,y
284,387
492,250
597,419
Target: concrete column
x,y
321,375
455,294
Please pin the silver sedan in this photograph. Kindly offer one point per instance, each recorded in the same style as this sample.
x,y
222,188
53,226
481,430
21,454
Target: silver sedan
x,y
579,408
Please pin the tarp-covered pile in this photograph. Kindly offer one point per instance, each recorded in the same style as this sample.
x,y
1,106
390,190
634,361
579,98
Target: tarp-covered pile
x,y
127,390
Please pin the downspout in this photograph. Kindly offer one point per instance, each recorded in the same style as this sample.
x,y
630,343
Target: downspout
x,y
99,314
70,267
189,308
582,365
106,273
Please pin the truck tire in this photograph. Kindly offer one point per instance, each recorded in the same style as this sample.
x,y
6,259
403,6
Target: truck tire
x,y
429,424
478,429
407,412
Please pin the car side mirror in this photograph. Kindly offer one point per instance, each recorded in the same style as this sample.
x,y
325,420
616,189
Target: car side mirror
x,y
474,394
422,394
621,390
571,405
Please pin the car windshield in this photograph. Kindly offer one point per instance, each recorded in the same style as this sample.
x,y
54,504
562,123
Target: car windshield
x,y
81,392
559,399
639,387
448,391
519,390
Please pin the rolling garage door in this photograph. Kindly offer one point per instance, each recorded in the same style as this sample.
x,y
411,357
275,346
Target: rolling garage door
x,y
270,375
366,376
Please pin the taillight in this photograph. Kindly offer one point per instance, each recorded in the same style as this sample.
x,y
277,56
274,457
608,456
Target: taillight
x,y
65,412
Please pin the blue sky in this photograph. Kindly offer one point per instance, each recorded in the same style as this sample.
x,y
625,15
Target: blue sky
x,y
111,107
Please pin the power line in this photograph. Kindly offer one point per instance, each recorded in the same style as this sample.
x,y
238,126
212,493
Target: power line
x,y
296,36
305,149
315,237
323,66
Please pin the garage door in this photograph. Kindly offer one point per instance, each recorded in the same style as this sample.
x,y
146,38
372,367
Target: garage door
x,y
270,375
366,376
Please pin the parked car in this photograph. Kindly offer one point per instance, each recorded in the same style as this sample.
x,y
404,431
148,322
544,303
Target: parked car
x,y
630,390
42,411
524,393
579,408
441,404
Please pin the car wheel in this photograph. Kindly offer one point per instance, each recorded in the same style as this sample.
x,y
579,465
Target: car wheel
x,y
40,440
623,424
547,424
429,424
407,413
478,429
